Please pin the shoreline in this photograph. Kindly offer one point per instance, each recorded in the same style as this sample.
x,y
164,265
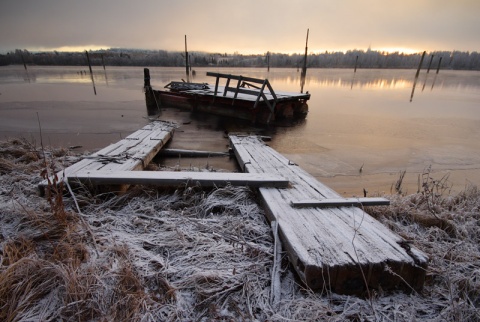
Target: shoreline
x,y
347,185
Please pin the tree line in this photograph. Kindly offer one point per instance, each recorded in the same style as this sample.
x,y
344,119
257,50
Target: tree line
x,y
328,59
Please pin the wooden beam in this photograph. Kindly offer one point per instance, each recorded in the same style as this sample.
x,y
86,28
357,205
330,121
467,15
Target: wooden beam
x,y
243,91
341,202
192,153
176,178
236,77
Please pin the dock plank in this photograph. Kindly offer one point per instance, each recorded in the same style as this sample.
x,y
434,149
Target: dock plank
x,y
331,248
131,153
175,178
337,202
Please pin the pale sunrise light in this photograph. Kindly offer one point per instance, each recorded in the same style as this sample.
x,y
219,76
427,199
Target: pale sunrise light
x,y
401,50
71,48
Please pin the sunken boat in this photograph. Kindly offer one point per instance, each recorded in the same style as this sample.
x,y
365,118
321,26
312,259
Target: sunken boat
x,y
240,97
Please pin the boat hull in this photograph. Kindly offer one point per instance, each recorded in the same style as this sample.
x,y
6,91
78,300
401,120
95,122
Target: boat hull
x,y
287,109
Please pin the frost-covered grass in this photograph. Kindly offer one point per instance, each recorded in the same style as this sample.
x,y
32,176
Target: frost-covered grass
x,y
193,254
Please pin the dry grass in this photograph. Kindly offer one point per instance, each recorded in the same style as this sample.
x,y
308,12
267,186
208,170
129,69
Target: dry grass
x,y
192,254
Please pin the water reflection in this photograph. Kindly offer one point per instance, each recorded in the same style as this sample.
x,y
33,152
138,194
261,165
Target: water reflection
x,y
375,79
380,84
356,118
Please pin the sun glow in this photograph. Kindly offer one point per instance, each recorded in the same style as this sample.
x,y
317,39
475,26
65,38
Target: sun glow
x,y
402,50
72,48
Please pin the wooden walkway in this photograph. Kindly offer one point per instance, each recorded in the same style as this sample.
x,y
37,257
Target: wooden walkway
x,y
338,248
129,154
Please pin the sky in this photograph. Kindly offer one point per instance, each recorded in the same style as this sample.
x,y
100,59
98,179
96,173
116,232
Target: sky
x,y
243,26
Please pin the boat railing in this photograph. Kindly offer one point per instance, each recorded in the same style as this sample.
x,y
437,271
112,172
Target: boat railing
x,y
243,81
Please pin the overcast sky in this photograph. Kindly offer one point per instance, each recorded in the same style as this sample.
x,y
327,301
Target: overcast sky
x,y
246,26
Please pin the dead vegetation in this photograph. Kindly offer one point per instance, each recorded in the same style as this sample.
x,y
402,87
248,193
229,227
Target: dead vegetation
x,y
193,254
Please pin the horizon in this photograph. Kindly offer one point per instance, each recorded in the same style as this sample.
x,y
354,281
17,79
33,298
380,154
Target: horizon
x,y
80,49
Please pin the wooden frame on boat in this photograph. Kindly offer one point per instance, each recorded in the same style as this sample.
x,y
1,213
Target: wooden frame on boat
x,y
251,99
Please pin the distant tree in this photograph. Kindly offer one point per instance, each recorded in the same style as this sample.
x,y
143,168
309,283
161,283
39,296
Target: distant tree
x,y
135,57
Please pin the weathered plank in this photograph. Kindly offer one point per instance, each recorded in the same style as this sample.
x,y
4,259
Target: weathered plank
x,y
337,248
175,178
341,202
192,153
131,153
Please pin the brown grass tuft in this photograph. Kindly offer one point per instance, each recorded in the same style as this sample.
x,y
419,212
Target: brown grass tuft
x,y
23,285
16,249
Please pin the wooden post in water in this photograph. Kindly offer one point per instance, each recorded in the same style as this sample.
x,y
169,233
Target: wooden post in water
x,y
186,59
268,61
150,99
436,74
430,63
146,78
428,71
416,75
420,64
91,72
104,70
103,62
304,69
439,63
23,60
354,72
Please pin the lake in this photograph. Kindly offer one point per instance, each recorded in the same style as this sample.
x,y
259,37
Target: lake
x,y
362,130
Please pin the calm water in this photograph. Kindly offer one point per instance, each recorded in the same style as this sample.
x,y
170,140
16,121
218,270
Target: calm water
x,y
362,120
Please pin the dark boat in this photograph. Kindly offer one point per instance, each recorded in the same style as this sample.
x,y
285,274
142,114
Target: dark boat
x,y
249,99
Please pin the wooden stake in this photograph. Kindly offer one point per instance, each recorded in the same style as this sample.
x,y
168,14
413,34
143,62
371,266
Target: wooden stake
x,y
91,72
420,64
186,58
153,106
439,63
146,77
304,69
436,74
416,75
430,63
428,71
268,61
23,60
354,72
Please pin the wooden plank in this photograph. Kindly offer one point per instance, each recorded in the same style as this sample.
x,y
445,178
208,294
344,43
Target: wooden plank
x,y
341,202
192,153
131,153
175,178
259,94
236,77
342,249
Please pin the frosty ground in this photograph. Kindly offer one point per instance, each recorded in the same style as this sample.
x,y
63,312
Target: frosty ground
x,y
192,254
